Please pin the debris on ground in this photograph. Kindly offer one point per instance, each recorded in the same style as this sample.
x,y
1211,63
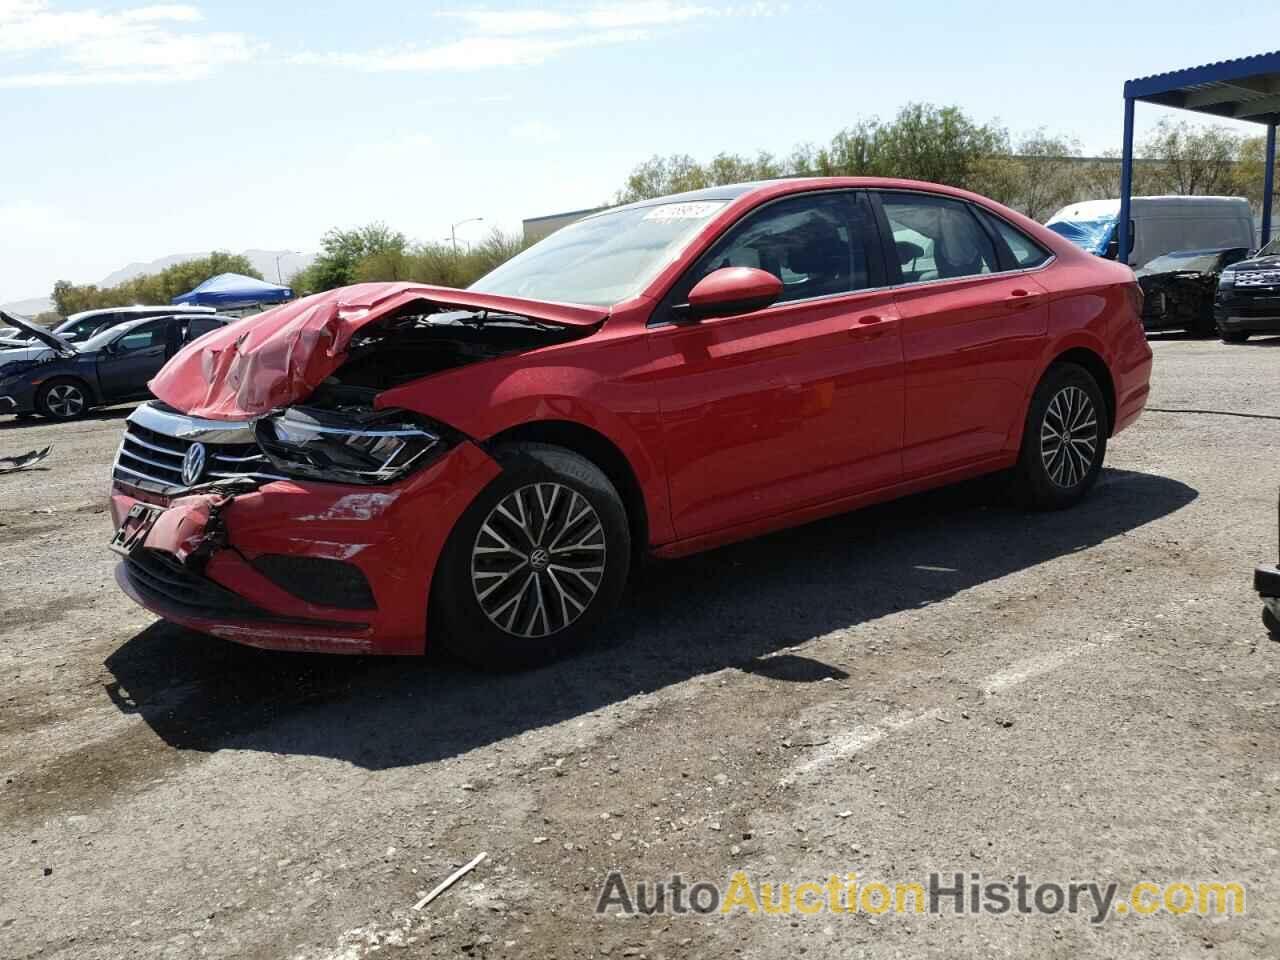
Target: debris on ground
x,y
10,464
450,881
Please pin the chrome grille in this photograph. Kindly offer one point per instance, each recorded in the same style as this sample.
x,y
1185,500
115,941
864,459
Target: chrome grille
x,y
1258,278
156,440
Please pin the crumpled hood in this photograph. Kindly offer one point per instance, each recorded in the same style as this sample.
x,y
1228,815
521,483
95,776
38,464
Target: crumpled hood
x,y
256,365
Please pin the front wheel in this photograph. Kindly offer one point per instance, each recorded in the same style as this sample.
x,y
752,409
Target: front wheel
x,y
62,399
1064,440
1234,336
535,563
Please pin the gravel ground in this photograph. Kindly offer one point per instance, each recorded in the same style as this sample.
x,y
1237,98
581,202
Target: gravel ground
x,y
943,684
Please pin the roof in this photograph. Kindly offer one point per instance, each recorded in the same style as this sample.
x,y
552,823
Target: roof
x,y
142,308
1111,207
1247,88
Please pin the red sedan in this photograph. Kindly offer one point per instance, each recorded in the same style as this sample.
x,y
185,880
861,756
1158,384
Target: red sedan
x,y
390,466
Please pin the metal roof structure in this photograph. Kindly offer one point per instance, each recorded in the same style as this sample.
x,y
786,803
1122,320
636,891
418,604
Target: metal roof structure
x,y
1247,89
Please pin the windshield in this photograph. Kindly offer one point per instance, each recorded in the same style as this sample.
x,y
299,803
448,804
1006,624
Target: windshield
x,y
1090,235
603,259
1272,249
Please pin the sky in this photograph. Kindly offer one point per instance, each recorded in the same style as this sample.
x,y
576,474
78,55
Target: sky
x,y
134,130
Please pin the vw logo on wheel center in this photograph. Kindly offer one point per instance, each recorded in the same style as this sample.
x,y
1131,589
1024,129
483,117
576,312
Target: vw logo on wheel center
x,y
193,464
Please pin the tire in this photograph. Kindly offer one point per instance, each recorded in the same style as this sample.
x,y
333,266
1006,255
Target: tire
x,y
1052,474
501,599
1229,336
1271,623
63,399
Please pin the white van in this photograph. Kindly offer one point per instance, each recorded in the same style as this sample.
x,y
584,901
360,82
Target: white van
x,y
1158,225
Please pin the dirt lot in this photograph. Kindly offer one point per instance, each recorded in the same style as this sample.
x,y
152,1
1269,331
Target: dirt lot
x,y
944,684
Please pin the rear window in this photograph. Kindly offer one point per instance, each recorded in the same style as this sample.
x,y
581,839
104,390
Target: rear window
x,y
1026,252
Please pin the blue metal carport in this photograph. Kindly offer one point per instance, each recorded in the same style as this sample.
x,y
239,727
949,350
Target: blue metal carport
x,y
1244,89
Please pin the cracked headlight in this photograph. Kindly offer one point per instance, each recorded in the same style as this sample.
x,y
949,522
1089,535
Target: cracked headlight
x,y
365,446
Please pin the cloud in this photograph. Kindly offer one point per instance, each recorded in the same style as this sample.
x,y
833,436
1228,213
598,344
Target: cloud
x,y
513,38
155,43
469,53
648,13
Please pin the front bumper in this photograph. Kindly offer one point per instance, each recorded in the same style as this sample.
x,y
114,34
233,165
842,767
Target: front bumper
x,y
392,535
1248,312
17,397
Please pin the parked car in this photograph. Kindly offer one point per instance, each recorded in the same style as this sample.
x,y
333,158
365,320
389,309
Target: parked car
x,y
1179,288
1157,225
1248,296
61,379
382,463
82,325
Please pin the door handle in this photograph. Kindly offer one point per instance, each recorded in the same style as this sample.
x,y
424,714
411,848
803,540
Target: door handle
x,y
1020,299
869,326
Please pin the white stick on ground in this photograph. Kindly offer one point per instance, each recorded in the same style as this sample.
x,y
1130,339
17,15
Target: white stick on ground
x,y
449,881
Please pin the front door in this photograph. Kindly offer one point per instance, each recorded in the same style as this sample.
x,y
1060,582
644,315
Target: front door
x,y
794,404
134,358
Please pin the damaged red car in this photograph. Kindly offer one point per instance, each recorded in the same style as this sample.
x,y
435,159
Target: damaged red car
x,y
391,467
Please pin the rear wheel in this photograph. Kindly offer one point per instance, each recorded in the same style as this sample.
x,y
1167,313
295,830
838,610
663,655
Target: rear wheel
x,y
535,563
62,399
1232,336
1064,440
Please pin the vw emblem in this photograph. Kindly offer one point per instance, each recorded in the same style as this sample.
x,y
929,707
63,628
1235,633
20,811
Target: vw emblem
x,y
193,464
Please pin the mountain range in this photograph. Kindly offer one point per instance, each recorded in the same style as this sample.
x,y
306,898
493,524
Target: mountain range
x,y
264,261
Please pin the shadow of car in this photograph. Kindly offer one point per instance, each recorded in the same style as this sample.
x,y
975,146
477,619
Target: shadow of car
x,y
753,599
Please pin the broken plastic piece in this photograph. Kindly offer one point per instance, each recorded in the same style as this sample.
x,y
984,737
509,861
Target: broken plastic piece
x,y
10,464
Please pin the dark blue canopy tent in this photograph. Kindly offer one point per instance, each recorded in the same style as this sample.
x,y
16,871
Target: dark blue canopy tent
x,y
1244,89
232,290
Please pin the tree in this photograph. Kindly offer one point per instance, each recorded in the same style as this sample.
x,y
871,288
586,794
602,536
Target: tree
x,y
1194,159
342,251
1040,176
155,288
923,142
939,144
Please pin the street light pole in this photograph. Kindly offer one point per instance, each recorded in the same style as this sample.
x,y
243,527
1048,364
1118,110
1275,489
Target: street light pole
x,y
453,231
282,253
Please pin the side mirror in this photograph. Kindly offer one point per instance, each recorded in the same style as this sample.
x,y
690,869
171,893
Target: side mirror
x,y
732,290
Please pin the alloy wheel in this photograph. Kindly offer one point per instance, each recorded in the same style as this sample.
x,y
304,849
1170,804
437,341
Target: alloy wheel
x,y
538,560
65,400
1069,437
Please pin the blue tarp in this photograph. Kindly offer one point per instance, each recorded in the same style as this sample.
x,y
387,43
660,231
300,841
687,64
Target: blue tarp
x,y
231,290
1090,235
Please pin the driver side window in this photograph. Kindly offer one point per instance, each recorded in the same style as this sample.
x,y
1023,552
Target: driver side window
x,y
816,244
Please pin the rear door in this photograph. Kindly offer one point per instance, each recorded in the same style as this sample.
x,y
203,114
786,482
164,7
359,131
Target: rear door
x,y
973,320
794,404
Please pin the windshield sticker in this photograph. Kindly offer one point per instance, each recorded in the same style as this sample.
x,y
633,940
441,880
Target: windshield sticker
x,y
682,211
